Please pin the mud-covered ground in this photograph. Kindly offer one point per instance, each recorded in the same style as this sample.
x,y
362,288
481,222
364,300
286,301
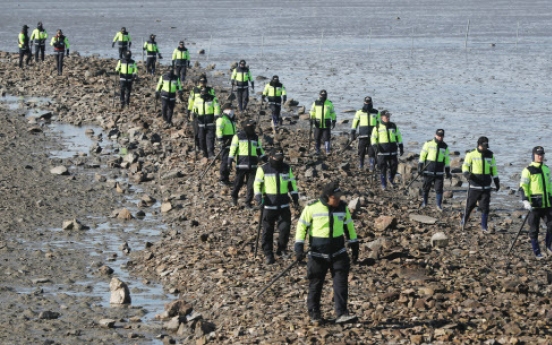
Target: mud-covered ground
x,y
405,290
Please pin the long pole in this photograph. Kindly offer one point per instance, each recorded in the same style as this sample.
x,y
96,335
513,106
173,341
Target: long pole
x,y
211,164
278,277
467,35
464,216
519,232
259,230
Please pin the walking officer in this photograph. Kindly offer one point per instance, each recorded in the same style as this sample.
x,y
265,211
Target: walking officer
x,y
386,140
479,168
240,78
61,45
122,38
195,92
206,108
152,51
167,87
328,223
274,184
536,195
23,43
434,164
226,129
181,61
246,148
127,74
322,115
39,37
365,120
276,93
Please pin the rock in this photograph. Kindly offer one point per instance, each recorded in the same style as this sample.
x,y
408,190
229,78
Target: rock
x,y
59,170
439,240
48,315
172,174
120,293
107,323
123,214
172,325
178,308
383,223
422,219
354,205
166,207
204,327
74,224
105,270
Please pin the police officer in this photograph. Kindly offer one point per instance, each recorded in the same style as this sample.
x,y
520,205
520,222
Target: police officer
x,y
61,46
206,108
246,148
328,223
240,76
39,37
386,139
181,60
322,114
226,129
434,163
274,184
276,93
365,120
167,87
23,43
151,49
536,195
479,168
122,38
127,74
195,92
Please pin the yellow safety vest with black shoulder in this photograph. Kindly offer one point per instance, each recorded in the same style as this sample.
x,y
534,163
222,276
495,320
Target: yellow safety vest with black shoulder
x,y
248,150
435,156
23,41
151,48
196,93
323,114
60,43
127,69
181,57
274,93
241,76
387,137
168,86
206,108
327,228
39,36
365,122
226,128
536,185
482,167
123,40
274,184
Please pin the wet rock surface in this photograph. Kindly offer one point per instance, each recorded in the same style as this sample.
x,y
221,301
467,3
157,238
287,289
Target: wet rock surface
x,y
407,287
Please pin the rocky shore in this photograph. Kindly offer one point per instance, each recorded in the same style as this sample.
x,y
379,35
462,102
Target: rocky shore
x,y
420,280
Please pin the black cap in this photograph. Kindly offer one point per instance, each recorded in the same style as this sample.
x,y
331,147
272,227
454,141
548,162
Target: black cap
x,y
323,92
367,99
226,106
275,77
242,62
483,141
152,35
59,31
25,27
39,24
385,113
181,42
276,151
123,29
440,132
332,188
203,78
248,123
538,150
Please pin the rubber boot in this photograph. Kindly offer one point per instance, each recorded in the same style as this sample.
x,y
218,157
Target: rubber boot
x,y
317,148
425,196
536,248
327,147
383,182
372,164
548,243
439,200
391,178
360,164
484,217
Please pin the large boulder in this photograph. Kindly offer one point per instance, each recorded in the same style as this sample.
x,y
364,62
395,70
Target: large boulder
x,y
120,293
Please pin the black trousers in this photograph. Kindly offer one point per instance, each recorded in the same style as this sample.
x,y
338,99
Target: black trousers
x,y
150,64
390,162
317,269
276,109
243,98
283,219
122,50
39,48
321,134
22,53
207,140
167,108
181,72
126,88
59,61
247,176
484,198
534,221
364,147
436,180
224,171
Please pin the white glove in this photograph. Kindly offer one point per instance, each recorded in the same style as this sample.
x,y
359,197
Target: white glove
x,y
527,205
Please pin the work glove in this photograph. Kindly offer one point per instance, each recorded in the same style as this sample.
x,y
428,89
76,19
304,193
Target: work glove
x,y
401,150
259,199
129,44
353,135
354,251
160,56
284,98
144,48
295,199
188,113
333,124
449,176
230,161
420,167
263,98
157,95
67,52
189,64
299,251
497,183
113,45
233,82
180,93
527,205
